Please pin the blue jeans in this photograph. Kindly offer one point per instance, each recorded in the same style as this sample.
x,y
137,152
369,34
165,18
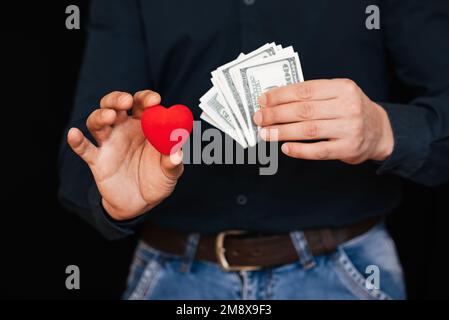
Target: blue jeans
x,y
344,274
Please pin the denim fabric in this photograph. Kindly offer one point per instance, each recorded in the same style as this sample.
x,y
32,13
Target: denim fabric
x,y
340,275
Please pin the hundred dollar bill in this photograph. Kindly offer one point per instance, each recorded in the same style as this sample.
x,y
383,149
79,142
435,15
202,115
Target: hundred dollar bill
x,y
222,80
236,78
231,133
235,71
211,104
268,74
216,111
210,120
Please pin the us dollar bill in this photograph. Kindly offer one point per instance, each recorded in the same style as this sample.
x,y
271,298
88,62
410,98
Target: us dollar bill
x,y
268,74
228,131
216,111
222,79
211,104
232,101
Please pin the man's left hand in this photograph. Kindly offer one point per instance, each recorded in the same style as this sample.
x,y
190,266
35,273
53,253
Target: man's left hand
x,y
347,124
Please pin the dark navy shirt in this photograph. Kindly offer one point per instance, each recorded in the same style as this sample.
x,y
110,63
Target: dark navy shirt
x,y
172,46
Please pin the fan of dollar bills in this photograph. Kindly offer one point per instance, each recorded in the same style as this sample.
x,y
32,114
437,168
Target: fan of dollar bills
x,y
232,101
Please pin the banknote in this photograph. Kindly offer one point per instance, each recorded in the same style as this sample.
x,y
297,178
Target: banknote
x,y
204,116
221,78
273,72
232,101
214,110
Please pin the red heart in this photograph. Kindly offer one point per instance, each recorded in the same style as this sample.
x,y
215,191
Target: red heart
x,y
167,129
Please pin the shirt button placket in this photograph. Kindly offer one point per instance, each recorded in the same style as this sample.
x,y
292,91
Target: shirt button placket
x,y
249,25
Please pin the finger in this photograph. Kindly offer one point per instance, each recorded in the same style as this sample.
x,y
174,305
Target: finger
x,y
305,91
81,145
99,123
298,111
172,165
323,150
143,99
117,100
306,130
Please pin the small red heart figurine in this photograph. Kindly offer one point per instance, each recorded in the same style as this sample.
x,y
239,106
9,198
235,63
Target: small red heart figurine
x,y
167,129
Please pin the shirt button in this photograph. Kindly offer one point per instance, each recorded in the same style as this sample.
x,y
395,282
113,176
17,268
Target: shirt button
x,y
249,2
241,199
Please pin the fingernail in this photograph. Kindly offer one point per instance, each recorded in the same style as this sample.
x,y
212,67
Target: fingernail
x,y
258,118
264,134
263,99
176,158
285,148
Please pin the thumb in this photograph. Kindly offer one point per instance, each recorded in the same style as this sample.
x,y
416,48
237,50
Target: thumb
x,y
172,165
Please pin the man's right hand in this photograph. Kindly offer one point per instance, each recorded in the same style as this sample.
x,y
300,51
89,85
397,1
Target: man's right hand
x,y
131,175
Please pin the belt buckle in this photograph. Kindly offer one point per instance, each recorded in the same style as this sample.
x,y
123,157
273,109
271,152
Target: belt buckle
x,y
220,251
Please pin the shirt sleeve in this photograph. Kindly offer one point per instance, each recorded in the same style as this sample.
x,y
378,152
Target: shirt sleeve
x,y
417,41
114,59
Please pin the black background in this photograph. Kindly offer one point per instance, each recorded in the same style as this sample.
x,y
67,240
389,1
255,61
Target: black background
x,y
40,61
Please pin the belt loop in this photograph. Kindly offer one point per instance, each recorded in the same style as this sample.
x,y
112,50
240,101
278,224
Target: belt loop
x,y
302,249
190,251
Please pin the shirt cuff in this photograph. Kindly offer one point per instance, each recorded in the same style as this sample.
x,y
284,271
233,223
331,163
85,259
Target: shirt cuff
x,y
110,228
411,139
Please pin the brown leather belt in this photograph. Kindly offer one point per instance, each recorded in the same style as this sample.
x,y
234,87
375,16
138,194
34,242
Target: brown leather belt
x,y
239,250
